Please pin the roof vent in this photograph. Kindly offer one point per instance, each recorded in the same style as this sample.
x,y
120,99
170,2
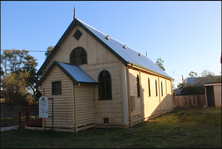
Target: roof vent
x,y
124,46
140,54
107,37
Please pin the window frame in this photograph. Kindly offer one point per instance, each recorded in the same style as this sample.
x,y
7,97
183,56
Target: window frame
x,y
161,88
56,93
156,88
138,86
78,57
149,93
100,84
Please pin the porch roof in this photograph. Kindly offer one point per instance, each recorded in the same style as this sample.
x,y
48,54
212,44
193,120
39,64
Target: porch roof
x,y
75,73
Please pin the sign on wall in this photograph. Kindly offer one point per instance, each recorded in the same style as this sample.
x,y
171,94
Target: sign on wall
x,y
43,107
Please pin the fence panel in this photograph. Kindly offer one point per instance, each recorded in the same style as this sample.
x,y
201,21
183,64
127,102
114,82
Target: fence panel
x,y
189,100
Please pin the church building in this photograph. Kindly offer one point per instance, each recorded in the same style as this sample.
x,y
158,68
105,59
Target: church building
x,y
97,81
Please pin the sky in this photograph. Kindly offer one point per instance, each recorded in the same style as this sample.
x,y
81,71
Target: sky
x,y
186,35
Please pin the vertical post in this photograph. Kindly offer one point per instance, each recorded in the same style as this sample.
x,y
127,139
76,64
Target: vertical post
x,y
159,93
35,113
43,119
129,96
73,113
172,95
205,88
27,115
124,95
141,97
43,123
52,114
75,108
166,97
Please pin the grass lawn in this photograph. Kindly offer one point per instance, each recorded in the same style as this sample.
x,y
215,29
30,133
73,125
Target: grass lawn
x,y
194,127
13,121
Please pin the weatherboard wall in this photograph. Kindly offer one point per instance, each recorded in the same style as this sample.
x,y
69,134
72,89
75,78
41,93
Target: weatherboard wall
x,y
98,58
217,96
79,97
111,109
85,108
149,106
135,114
96,53
63,104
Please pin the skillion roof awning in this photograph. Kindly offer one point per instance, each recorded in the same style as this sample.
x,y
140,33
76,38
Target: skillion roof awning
x,y
75,73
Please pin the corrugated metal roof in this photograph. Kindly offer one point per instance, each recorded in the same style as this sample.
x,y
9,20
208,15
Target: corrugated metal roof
x,y
77,73
130,55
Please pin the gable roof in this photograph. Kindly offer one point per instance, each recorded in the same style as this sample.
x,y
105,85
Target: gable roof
x,y
126,56
75,73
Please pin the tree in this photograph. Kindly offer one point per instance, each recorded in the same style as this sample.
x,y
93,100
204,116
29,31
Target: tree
x,y
159,62
19,65
11,60
206,73
206,78
49,50
15,91
192,74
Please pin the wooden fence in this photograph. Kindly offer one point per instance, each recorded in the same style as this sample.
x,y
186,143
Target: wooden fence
x,y
189,100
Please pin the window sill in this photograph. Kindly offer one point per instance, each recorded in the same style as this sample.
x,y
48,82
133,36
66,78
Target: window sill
x,y
56,93
105,99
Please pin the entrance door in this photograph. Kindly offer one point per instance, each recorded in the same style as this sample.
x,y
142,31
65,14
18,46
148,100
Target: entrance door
x,y
210,96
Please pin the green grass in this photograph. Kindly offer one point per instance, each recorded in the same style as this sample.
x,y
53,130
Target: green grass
x,y
15,118
12,121
194,127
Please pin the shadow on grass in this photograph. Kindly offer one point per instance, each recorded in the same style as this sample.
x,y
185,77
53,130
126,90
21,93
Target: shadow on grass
x,y
190,128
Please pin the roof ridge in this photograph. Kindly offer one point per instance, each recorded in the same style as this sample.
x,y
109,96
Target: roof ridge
x,y
107,34
90,26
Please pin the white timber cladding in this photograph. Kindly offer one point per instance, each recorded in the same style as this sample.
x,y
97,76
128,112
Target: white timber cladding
x,y
124,94
96,53
98,59
217,95
153,105
169,97
85,104
133,92
63,104
163,99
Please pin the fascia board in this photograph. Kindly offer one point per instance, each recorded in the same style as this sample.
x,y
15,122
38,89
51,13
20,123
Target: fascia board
x,y
148,70
102,43
56,46
61,68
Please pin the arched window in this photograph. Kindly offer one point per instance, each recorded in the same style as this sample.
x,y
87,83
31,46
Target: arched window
x,y
162,88
105,86
138,86
149,93
78,56
156,88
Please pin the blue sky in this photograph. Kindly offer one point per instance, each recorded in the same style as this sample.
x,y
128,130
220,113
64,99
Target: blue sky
x,y
185,34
